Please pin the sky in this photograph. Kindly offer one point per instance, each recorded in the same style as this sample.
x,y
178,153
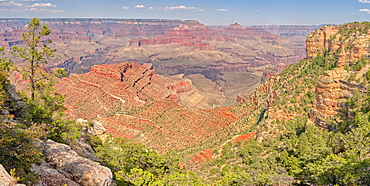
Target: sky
x,y
208,12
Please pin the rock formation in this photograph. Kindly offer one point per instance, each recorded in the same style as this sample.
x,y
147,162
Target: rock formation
x,y
106,84
142,105
350,42
194,35
270,47
6,179
50,176
172,46
64,164
333,90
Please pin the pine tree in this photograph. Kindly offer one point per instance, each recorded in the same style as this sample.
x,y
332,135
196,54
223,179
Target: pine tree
x,y
42,103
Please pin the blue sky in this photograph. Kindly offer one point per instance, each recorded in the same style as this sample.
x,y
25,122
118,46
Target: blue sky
x,y
209,12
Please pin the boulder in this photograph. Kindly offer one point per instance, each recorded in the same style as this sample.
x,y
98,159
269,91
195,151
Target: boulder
x,y
6,179
84,149
95,128
50,176
15,102
84,171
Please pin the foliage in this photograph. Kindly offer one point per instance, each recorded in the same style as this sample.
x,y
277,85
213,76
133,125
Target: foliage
x,y
35,54
5,66
43,102
18,152
302,153
135,164
44,106
360,63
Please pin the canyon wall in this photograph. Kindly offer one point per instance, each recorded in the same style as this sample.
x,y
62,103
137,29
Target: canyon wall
x,y
132,101
350,43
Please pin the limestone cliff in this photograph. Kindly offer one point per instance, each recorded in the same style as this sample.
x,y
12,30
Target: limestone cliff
x,y
333,90
350,43
318,86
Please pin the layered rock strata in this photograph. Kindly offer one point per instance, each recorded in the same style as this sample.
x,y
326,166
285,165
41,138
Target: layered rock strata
x,y
349,43
333,90
132,101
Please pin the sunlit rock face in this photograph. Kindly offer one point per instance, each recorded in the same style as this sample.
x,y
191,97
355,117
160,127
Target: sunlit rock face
x,y
130,100
350,43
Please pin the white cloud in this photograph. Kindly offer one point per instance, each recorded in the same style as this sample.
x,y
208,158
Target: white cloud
x,y
43,5
201,10
363,1
222,10
150,8
139,6
364,10
11,3
181,7
258,10
36,10
125,7
22,6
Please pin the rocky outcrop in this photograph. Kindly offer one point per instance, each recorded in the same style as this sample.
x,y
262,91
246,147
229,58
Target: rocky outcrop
x,y
66,165
95,128
332,94
6,179
49,176
349,42
14,102
238,31
82,146
318,41
333,90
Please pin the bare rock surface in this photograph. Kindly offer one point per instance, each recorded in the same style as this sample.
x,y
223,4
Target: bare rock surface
x,y
84,171
15,102
6,179
50,176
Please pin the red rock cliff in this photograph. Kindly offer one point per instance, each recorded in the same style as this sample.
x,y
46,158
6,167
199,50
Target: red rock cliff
x,y
132,101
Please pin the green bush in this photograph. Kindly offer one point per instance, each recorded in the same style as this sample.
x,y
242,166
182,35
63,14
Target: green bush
x,y
17,151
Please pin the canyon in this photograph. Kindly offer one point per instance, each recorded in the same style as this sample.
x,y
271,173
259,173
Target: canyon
x,y
234,104
176,100
221,61
132,101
